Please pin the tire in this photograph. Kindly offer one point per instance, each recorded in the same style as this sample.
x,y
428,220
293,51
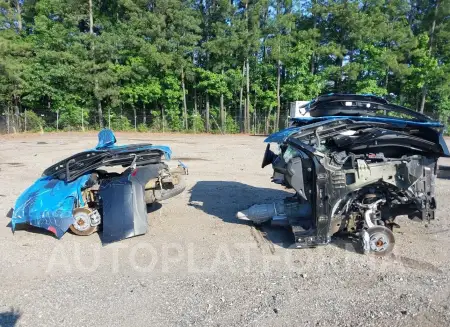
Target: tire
x,y
153,195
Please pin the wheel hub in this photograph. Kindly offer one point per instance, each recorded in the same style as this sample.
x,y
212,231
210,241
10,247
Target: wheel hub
x,y
81,219
381,240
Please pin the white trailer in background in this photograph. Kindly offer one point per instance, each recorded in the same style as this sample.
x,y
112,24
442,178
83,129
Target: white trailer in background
x,y
296,110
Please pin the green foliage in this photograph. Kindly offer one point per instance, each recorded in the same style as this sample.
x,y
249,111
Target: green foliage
x,y
370,86
34,123
172,95
231,125
197,123
212,83
70,117
158,124
142,128
121,123
140,55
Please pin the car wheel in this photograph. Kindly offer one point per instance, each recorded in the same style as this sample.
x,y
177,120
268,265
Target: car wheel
x,y
82,225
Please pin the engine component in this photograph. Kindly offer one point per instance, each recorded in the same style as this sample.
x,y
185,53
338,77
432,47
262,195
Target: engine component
x,y
280,213
259,213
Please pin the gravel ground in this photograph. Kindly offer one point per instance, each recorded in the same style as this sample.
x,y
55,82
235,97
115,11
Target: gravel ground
x,y
199,266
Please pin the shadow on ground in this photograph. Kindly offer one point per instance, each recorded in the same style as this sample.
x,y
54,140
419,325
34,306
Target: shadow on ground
x,y
223,199
9,318
347,242
153,207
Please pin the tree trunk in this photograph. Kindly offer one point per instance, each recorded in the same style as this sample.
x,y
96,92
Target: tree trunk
x,y
144,115
241,125
82,119
163,118
247,102
135,118
255,118
49,105
240,111
100,113
277,120
195,109
195,101
19,16
185,118
16,105
222,111
99,102
7,120
207,112
121,116
247,127
430,49
91,18
313,55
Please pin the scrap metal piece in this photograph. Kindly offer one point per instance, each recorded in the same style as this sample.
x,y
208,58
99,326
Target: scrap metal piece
x,y
365,241
124,208
260,213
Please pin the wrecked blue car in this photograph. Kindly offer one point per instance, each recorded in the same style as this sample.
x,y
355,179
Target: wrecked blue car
x,y
355,162
106,188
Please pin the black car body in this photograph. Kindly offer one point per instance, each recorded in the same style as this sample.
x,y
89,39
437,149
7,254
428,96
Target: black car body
x,y
356,163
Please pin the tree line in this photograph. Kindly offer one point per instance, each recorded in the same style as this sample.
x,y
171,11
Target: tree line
x,y
216,65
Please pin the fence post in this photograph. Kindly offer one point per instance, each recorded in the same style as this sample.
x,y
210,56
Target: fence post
x,y
82,119
25,113
109,118
57,120
7,120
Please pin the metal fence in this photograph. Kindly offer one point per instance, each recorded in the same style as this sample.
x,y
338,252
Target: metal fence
x,y
44,120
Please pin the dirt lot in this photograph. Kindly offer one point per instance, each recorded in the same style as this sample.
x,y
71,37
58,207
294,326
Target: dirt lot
x,y
199,266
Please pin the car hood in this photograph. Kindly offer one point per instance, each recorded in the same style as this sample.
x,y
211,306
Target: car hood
x,y
433,129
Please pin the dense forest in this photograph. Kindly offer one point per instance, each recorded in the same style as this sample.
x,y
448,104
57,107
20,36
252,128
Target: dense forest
x,y
214,65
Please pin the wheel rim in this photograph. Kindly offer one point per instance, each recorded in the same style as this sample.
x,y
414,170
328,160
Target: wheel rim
x,y
381,240
81,219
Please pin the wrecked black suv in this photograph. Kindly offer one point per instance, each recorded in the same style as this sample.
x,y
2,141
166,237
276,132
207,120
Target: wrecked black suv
x,y
356,163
